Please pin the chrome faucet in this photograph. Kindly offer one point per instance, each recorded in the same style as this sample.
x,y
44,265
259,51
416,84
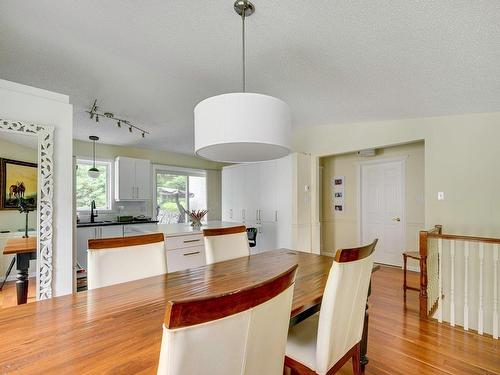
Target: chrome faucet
x,y
93,211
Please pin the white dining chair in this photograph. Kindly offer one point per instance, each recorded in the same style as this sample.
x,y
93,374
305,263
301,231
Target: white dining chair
x,y
324,342
225,243
237,331
118,260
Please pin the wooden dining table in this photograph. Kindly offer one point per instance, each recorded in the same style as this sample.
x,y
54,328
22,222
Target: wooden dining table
x,y
118,329
25,250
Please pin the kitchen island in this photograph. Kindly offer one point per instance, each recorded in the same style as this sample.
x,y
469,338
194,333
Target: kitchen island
x,y
183,229
184,245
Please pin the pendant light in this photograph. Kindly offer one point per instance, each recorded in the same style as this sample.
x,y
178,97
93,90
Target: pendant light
x,y
242,127
93,172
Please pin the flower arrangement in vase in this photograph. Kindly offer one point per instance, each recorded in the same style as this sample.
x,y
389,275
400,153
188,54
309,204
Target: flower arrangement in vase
x,y
196,216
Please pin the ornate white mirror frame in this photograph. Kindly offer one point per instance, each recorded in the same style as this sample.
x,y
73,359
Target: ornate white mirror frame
x,y
45,134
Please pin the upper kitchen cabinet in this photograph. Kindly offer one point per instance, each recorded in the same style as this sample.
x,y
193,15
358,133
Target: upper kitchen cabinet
x,y
132,179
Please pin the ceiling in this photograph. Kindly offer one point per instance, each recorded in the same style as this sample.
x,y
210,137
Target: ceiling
x,y
331,61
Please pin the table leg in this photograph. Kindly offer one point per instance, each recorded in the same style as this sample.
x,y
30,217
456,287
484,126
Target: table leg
x,y
23,264
364,338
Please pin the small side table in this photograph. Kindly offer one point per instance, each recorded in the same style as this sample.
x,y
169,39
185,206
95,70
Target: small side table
x,y
413,255
25,250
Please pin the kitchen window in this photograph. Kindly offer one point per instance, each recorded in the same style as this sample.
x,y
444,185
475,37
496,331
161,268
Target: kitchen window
x,y
178,190
89,189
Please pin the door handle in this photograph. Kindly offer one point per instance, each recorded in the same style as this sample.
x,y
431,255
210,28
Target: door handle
x,y
396,219
193,253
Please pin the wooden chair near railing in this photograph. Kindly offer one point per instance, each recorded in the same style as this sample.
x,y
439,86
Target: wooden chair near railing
x,y
477,286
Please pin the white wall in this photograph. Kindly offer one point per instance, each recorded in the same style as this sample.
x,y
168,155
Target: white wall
x,y
29,104
461,159
340,230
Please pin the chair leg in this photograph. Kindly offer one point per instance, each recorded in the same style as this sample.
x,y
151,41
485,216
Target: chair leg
x,y
356,364
404,275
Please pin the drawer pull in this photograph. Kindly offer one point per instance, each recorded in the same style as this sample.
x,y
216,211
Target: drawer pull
x,y
188,241
193,253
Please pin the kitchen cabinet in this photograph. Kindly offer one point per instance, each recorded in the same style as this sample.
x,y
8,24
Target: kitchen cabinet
x,y
132,179
273,196
84,234
183,252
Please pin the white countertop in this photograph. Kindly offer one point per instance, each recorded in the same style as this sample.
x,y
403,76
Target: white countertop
x,y
172,230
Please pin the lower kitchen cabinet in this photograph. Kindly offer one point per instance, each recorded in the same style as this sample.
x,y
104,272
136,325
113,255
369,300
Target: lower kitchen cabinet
x,y
84,234
188,257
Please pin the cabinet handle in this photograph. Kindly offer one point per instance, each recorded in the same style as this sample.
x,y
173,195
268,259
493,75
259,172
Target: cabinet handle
x,y
188,241
257,215
193,253
137,192
276,215
230,213
243,214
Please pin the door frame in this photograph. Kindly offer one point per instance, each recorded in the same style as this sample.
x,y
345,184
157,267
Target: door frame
x,y
401,159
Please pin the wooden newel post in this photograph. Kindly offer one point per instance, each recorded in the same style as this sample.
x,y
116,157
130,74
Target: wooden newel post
x,y
423,241
423,272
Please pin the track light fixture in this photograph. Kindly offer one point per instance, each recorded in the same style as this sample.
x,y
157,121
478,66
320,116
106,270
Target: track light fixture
x,y
95,111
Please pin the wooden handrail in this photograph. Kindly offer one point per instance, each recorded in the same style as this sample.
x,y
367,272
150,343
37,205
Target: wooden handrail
x,y
437,232
463,238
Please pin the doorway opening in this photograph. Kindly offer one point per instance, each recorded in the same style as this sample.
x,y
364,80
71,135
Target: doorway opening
x,y
378,196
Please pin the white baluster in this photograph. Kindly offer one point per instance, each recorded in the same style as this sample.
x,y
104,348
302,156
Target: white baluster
x,y
480,325
440,280
452,283
466,285
495,291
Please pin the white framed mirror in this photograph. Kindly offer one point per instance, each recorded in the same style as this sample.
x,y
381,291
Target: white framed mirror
x,y
12,131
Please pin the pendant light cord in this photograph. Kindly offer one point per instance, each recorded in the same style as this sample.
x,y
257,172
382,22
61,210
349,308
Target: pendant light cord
x,y
94,152
243,45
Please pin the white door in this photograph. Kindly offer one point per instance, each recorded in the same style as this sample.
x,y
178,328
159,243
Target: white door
x,y
142,179
382,209
125,186
268,192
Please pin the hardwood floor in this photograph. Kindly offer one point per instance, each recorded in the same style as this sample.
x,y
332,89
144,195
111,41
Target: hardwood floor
x,y
8,295
400,343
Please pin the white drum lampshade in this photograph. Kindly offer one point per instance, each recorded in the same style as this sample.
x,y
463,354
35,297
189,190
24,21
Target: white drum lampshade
x,y
242,128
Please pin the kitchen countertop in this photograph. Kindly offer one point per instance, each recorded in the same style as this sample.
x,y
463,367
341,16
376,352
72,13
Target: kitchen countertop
x,y
171,230
111,222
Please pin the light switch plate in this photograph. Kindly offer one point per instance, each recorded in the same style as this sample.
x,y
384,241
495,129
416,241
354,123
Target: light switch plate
x,y
440,195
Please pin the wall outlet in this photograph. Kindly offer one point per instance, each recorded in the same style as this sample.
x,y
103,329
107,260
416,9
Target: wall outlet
x,y
440,195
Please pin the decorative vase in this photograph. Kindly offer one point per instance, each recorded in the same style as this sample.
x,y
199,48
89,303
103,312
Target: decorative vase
x,y
196,217
196,224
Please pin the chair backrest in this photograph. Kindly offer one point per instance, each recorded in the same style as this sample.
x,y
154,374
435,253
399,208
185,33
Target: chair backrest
x,y
241,332
341,317
118,260
252,236
225,243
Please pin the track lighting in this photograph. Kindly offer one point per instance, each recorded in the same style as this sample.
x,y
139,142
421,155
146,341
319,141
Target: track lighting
x,y
95,111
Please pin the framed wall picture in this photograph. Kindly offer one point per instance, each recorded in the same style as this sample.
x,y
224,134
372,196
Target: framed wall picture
x,y
17,179
338,194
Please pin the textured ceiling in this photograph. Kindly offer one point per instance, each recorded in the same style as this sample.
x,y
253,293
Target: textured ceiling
x,y
332,61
